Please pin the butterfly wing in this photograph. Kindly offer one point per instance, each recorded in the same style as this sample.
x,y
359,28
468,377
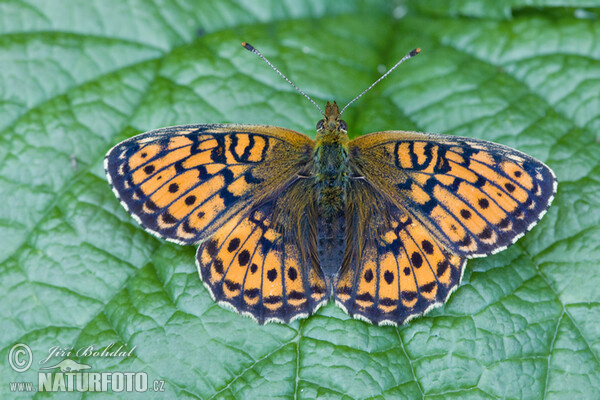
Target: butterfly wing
x,y
475,197
265,264
182,183
393,269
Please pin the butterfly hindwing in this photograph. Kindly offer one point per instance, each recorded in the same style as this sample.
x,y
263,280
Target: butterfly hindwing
x,y
263,265
476,197
394,270
181,183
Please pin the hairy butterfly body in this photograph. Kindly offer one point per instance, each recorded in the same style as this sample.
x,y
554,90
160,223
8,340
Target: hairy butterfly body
x,y
383,223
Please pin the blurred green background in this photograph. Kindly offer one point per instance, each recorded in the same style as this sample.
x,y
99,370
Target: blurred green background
x,y
77,77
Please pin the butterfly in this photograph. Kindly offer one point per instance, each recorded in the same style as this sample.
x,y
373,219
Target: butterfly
x,y
383,224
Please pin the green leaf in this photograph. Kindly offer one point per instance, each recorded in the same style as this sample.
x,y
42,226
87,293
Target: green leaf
x,y
76,270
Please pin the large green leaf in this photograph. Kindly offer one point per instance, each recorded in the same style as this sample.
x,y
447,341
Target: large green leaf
x,y
76,77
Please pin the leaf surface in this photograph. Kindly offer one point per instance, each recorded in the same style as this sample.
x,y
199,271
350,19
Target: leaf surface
x,y
76,270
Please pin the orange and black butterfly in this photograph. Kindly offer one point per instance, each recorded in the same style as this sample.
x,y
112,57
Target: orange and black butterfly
x,y
383,223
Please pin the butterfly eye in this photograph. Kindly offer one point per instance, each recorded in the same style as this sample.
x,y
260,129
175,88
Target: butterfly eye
x,y
343,126
320,125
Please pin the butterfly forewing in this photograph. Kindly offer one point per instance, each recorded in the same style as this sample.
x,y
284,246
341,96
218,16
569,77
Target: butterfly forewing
x,y
182,183
474,196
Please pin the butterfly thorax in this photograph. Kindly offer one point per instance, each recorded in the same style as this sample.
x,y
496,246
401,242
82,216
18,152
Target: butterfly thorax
x,y
331,163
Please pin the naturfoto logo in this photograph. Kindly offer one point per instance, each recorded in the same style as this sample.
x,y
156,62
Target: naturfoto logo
x,y
68,375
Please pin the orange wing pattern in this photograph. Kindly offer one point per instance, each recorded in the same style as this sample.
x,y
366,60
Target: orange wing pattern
x,y
417,205
394,270
475,197
181,183
261,266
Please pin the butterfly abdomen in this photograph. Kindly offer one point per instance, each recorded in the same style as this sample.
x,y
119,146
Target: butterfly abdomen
x,y
331,244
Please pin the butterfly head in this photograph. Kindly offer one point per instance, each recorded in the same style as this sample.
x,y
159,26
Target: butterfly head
x,y
332,122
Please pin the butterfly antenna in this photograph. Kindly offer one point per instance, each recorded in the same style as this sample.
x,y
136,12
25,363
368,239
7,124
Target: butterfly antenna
x,y
406,57
251,49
